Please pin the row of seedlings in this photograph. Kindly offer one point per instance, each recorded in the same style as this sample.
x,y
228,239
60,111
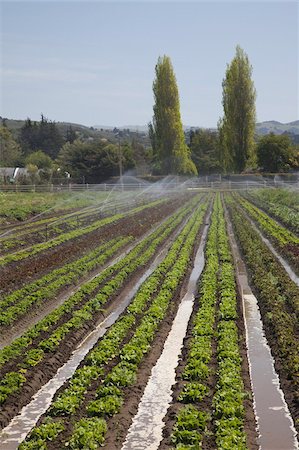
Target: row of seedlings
x,y
19,302
49,228
65,237
286,242
282,212
211,392
27,208
77,314
80,412
16,304
48,286
278,299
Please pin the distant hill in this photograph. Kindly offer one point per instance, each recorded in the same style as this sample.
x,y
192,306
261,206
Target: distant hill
x,y
16,125
275,127
111,132
136,128
261,128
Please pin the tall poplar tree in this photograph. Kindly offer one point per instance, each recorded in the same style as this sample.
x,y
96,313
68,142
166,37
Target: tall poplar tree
x,y
171,153
237,127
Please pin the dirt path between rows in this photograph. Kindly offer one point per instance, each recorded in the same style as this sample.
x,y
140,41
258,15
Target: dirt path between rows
x,y
16,274
44,371
36,313
206,404
290,390
119,424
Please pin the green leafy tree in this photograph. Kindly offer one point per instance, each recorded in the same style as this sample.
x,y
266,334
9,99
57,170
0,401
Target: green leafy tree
x,y
171,154
275,153
43,135
33,173
71,135
44,164
39,159
10,151
237,127
204,145
93,162
142,157
29,137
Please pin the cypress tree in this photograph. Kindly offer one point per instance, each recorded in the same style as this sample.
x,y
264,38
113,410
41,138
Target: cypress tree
x,y
171,153
237,127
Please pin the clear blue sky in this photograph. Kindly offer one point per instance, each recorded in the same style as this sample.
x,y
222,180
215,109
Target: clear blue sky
x,y
93,62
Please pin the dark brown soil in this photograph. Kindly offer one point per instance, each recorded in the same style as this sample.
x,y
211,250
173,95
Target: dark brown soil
x,y
14,275
43,372
289,387
206,403
119,424
40,233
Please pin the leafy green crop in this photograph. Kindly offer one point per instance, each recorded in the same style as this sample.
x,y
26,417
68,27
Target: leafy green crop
x,y
88,434
151,302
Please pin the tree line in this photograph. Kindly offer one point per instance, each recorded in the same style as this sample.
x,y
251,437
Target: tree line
x,y
52,156
232,148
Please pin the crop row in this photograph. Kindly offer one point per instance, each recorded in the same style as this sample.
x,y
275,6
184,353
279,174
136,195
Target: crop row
x,y
281,196
28,252
267,259
278,299
51,227
282,212
19,302
73,315
20,206
44,289
213,411
108,381
286,241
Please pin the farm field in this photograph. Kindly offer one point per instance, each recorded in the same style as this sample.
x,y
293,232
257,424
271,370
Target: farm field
x,y
92,290
18,207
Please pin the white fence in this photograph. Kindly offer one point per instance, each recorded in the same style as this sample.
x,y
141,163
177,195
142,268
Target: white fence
x,y
214,185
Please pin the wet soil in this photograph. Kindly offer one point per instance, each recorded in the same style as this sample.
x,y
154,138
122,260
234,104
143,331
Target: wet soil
x,y
23,422
147,427
126,291
45,370
38,312
288,251
119,424
206,403
289,388
46,231
16,274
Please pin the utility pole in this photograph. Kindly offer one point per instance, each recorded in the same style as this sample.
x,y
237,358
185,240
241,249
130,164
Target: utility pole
x,y
120,164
